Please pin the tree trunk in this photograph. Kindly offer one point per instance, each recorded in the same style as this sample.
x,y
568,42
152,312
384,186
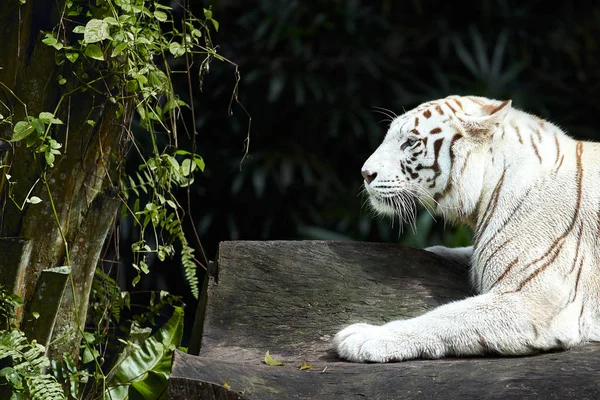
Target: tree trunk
x,y
78,205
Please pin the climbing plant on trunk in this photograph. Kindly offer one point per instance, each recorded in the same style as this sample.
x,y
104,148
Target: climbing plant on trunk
x,y
73,75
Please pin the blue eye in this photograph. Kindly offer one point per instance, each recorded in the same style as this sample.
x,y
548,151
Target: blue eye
x,y
411,141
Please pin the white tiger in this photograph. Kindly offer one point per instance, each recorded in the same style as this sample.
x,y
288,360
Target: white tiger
x,y
530,193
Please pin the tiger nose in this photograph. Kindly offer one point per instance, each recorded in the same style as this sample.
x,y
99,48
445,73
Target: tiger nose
x,y
368,175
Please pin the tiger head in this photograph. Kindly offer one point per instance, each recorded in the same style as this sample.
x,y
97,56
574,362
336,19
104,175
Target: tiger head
x,y
424,154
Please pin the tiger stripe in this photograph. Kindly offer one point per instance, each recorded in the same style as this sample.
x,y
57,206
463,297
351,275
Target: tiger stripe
x,y
536,150
560,239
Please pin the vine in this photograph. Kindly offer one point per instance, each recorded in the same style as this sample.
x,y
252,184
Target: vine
x,y
122,50
127,44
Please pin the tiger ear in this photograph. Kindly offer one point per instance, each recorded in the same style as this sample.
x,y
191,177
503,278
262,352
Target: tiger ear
x,y
489,117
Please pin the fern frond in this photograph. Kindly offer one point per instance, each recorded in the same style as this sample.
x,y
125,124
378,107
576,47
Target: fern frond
x,y
189,265
29,360
44,387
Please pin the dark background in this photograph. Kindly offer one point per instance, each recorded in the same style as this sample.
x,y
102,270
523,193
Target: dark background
x,y
312,73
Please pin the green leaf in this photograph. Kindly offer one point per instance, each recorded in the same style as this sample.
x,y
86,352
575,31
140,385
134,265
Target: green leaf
x,y
89,337
176,49
49,40
153,357
39,126
271,361
118,49
207,13
94,51
96,30
18,395
49,118
132,86
187,167
21,130
199,162
49,159
79,29
153,387
72,56
215,24
160,15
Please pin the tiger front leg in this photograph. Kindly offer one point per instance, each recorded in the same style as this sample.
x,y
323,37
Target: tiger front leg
x,y
461,255
489,323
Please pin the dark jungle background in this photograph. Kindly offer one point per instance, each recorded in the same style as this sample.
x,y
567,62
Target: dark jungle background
x,y
312,73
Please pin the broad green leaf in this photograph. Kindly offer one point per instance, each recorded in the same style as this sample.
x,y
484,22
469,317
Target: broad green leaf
x,y
176,49
215,24
49,159
94,51
21,130
111,21
49,118
160,15
18,395
96,30
207,13
72,57
49,40
271,361
187,167
39,126
79,29
152,387
119,49
200,163
155,355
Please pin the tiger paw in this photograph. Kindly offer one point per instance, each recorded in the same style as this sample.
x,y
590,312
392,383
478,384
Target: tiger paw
x,y
371,343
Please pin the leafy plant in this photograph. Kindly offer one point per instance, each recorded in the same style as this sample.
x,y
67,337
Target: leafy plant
x,y
26,371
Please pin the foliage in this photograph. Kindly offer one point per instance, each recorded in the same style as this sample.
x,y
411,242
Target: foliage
x,y
123,51
27,363
314,72
139,366
125,46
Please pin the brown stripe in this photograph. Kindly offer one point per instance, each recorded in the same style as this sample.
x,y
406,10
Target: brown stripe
x,y
491,207
415,131
514,125
511,217
535,148
458,103
577,279
541,269
562,158
539,135
439,109
427,114
577,247
506,271
450,107
501,106
435,131
416,121
489,258
560,239
557,143
476,101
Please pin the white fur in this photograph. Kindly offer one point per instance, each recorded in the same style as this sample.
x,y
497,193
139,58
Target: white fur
x,y
531,195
